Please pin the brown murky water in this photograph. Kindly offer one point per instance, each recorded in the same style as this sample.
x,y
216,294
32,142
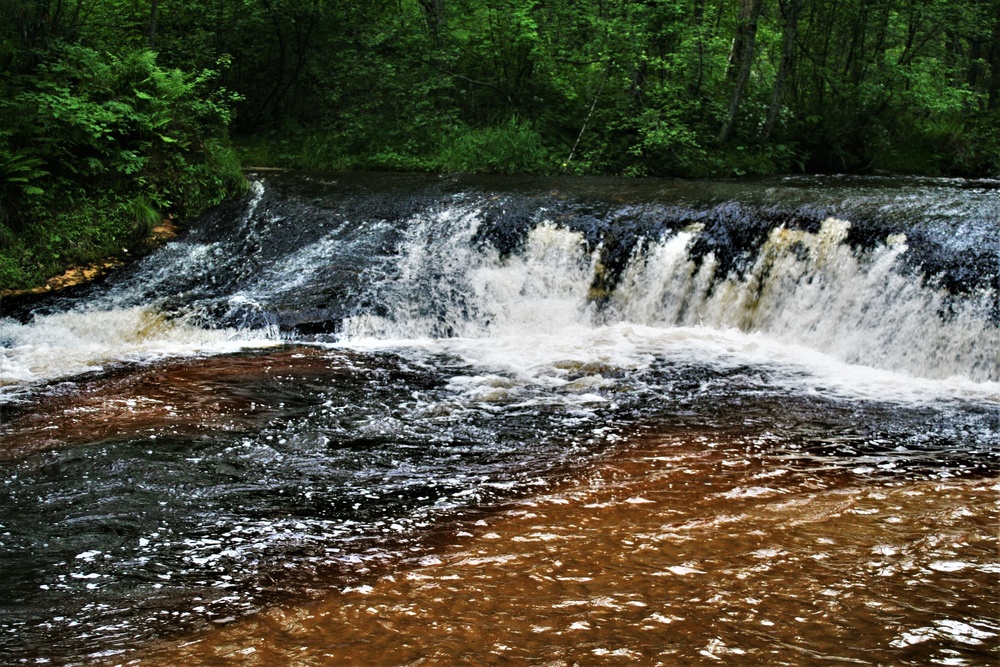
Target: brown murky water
x,y
225,393
682,550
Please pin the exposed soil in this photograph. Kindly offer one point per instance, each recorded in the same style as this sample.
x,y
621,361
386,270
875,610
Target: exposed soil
x,y
78,275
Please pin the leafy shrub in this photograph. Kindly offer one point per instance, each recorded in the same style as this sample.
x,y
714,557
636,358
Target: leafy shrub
x,y
96,148
20,174
514,147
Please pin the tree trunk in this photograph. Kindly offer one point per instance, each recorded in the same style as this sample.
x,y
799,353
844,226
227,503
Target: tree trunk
x,y
699,25
746,29
787,58
993,101
699,11
154,11
746,36
434,11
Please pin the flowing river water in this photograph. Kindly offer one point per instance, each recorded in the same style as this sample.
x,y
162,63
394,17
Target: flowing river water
x,y
404,420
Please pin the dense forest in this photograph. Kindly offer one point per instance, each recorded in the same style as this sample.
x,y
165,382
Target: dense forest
x,y
114,113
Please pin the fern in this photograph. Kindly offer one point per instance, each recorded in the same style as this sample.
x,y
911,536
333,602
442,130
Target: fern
x,y
19,173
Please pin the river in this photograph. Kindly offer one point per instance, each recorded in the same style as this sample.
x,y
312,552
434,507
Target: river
x,y
405,419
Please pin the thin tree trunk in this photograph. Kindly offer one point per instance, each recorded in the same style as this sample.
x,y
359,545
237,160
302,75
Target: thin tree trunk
x,y
699,21
787,57
154,11
993,101
748,29
434,11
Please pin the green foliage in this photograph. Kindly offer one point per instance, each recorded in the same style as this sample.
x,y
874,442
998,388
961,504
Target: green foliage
x,y
666,143
20,175
144,217
97,147
514,147
976,149
606,86
121,106
90,231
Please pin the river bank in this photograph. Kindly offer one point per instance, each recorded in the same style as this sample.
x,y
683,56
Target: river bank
x,y
80,275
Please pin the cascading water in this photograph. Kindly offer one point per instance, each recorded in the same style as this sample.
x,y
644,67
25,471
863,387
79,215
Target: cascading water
x,y
467,264
313,383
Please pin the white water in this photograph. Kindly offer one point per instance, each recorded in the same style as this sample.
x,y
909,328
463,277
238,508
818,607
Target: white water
x,y
827,320
75,342
813,290
830,319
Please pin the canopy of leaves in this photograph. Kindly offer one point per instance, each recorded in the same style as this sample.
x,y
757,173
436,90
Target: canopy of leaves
x,y
639,87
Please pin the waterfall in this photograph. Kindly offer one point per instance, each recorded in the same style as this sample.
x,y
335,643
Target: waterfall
x,y
312,385
813,289
902,278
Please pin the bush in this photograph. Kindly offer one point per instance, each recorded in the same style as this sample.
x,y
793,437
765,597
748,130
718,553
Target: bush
x,y
96,148
512,148
977,151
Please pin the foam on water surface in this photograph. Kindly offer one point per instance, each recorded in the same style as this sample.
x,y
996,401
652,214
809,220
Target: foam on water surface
x,y
313,388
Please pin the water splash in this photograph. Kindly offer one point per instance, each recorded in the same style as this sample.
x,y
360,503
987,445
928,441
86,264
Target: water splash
x,y
814,290
302,261
74,342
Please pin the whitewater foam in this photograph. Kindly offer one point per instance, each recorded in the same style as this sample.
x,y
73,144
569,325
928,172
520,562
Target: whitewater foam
x,y
74,342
